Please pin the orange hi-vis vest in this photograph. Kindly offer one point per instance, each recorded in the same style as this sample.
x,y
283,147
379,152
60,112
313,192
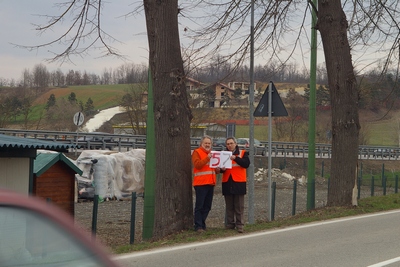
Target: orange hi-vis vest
x,y
238,173
206,175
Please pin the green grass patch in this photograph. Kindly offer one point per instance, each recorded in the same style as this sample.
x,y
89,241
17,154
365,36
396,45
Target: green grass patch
x,y
383,133
380,133
103,96
376,178
37,113
260,132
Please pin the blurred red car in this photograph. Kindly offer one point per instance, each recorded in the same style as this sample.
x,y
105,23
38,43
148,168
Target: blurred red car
x,y
36,233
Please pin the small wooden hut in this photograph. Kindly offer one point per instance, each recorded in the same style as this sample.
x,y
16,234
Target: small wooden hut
x,y
54,179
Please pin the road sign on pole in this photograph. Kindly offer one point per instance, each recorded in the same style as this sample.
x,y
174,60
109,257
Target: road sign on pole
x,y
78,118
78,121
270,105
230,129
278,109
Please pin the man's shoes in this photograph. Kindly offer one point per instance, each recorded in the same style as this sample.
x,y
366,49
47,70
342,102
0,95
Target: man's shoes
x,y
200,230
240,230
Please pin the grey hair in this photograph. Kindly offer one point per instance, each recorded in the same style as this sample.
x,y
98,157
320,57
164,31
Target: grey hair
x,y
206,137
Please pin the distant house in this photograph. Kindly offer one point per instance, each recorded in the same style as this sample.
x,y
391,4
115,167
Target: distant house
x,y
214,95
244,86
222,94
192,84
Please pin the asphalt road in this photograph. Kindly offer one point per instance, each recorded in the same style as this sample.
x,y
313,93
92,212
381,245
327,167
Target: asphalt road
x,y
368,240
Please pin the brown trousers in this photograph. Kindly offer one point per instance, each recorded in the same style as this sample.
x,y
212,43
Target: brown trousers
x,y
234,205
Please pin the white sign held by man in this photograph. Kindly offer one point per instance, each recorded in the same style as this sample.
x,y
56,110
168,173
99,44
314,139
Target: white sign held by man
x,y
221,159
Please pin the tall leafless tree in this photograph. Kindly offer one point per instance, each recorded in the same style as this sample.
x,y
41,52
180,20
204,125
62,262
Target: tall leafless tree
x,y
172,116
134,102
41,77
333,26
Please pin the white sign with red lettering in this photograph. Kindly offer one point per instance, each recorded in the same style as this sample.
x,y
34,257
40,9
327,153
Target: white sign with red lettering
x,y
221,159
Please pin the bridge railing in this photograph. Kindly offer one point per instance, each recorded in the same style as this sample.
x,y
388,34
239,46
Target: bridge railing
x,y
123,142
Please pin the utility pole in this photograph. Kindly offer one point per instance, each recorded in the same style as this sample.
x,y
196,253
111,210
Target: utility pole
x,y
311,114
250,170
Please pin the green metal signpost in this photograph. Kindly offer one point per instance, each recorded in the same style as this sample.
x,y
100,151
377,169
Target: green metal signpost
x,y
149,181
311,115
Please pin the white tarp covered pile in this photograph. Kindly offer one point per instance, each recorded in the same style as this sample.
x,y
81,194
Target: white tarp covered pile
x,y
110,174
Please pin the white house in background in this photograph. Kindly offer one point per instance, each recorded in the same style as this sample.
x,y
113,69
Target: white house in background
x,y
192,84
222,92
244,86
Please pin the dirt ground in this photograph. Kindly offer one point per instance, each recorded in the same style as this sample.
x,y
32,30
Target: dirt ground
x,y
114,217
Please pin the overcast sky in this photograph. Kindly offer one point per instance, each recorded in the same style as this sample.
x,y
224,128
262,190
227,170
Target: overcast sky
x,y
17,17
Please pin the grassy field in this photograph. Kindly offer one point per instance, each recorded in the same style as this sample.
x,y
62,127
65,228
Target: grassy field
x,y
103,96
260,132
379,134
384,132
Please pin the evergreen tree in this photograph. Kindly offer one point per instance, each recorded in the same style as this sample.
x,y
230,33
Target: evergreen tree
x,y
89,107
322,96
72,98
51,102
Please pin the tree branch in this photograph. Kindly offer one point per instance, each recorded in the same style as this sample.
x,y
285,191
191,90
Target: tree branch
x,y
85,25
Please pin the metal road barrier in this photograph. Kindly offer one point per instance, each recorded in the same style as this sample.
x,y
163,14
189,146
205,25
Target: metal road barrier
x,y
123,142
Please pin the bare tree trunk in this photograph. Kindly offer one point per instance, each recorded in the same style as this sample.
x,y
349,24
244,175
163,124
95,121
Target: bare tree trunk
x,y
332,25
173,188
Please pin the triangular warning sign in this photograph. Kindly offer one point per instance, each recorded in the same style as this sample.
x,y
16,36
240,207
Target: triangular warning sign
x,y
278,109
